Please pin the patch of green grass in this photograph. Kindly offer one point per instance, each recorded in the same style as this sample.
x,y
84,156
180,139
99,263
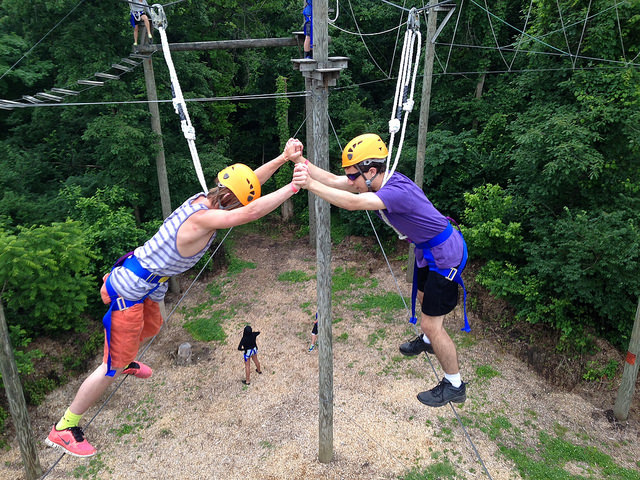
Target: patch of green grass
x,y
136,419
209,328
196,311
386,303
379,334
215,291
237,265
342,338
348,279
486,372
441,471
91,471
295,276
550,457
497,425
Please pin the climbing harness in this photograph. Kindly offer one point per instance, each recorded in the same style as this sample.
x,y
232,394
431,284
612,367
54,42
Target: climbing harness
x,y
159,20
405,87
130,262
451,274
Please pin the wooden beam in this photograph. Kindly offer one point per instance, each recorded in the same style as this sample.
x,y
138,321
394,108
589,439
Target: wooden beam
x,y
223,44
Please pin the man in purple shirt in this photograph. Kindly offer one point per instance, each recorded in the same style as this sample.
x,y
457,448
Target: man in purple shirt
x,y
404,206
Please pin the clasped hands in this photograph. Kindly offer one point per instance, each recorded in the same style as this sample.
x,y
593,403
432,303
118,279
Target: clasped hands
x,y
293,152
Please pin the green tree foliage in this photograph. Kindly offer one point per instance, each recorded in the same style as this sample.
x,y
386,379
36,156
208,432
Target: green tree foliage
x,y
110,225
532,137
44,277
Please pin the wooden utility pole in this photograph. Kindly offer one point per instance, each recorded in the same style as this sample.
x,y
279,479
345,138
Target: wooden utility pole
x,y
17,404
630,373
161,164
320,116
322,72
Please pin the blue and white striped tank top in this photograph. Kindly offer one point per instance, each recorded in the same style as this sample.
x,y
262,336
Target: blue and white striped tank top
x,y
160,255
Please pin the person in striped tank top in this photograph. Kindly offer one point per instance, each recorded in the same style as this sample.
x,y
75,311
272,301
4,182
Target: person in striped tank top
x,y
136,284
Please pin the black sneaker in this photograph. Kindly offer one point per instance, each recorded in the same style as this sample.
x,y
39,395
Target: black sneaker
x,y
443,393
415,347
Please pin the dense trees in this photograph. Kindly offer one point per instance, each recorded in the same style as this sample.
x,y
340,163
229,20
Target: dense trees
x,y
532,146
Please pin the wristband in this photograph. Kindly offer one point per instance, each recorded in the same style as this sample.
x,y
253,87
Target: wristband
x,y
295,190
306,161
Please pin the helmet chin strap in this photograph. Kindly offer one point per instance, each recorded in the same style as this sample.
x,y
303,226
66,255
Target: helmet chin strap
x,y
368,181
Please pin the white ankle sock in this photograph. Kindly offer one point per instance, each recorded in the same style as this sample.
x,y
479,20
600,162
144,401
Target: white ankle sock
x,y
425,339
454,379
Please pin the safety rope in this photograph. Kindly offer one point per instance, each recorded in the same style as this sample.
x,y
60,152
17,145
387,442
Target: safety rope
x,y
159,20
405,87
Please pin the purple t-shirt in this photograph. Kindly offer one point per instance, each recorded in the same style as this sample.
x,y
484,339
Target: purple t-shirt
x,y
411,213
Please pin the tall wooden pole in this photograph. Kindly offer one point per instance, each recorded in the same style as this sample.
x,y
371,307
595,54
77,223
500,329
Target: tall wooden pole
x,y
630,373
17,404
320,116
423,124
161,164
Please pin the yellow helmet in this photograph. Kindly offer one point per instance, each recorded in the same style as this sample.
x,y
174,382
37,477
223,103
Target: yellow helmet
x,y
242,181
364,147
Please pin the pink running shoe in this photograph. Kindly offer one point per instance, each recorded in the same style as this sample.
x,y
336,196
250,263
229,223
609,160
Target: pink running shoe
x,y
138,369
70,440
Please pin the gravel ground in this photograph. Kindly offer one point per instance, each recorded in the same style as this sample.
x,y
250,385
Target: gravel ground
x,y
199,421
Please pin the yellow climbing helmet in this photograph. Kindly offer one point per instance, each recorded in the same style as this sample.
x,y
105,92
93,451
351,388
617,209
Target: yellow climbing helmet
x,y
364,147
242,181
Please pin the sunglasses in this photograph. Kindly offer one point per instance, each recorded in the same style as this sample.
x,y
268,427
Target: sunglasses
x,y
353,176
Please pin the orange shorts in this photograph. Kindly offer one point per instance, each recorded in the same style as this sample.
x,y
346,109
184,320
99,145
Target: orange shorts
x,y
129,328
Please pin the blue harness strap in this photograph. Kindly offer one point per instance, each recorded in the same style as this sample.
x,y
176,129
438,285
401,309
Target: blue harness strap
x,y
131,263
451,274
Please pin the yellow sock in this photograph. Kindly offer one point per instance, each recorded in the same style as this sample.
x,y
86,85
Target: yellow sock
x,y
68,420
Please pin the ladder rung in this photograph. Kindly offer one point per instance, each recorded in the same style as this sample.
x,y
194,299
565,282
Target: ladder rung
x,y
10,102
48,96
107,75
130,62
31,99
90,82
64,91
120,67
139,55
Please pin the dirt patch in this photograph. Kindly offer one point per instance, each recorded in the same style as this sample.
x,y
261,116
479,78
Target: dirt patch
x,y
199,421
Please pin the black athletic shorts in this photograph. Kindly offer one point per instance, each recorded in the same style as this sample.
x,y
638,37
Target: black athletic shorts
x,y
314,330
440,294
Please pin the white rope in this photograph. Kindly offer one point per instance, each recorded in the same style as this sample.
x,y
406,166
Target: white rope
x,y
179,105
333,20
405,87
